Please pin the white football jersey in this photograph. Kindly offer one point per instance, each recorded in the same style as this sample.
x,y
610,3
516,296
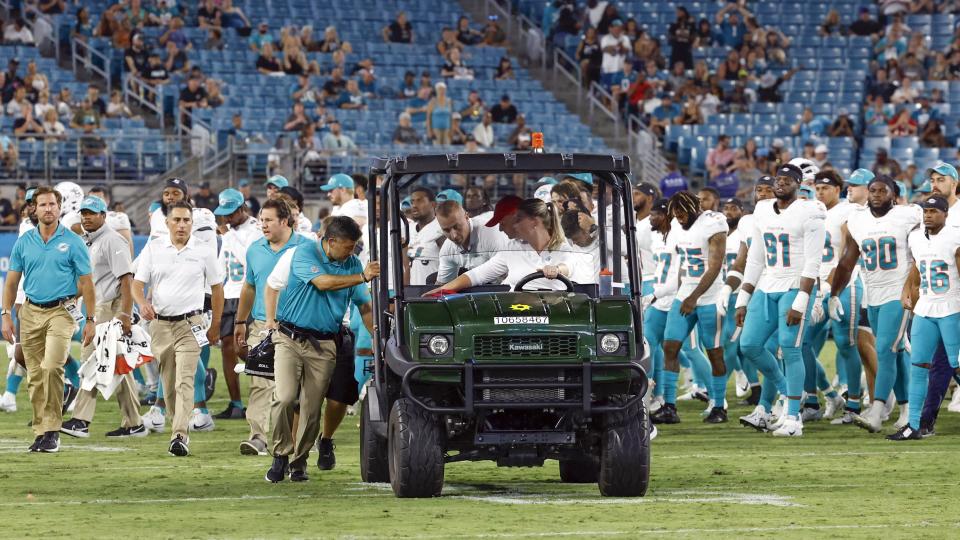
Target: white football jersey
x,y
424,251
693,247
734,239
665,279
884,257
833,240
953,215
118,221
935,257
787,244
648,266
745,227
233,255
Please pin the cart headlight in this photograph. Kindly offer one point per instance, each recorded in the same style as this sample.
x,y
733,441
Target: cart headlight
x,y
609,343
439,345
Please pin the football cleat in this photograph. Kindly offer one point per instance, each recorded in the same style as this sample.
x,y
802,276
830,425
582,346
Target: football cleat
x,y
871,419
666,415
154,420
753,398
906,433
8,402
954,405
846,419
656,403
695,393
717,416
758,419
888,406
201,421
791,426
833,405
904,417
742,384
811,414
778,407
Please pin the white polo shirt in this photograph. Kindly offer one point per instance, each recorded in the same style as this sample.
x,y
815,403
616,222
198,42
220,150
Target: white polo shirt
x,y
484,244
354,209
178,278
233,255
517,259
304,225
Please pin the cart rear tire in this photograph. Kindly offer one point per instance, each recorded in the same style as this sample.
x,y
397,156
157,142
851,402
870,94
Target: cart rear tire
x,y
415,449
374,462
584,470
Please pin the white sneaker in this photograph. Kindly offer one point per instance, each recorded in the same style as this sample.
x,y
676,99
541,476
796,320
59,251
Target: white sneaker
x,y
791,426
758,419
834,405
200,421
154,420
653,431
809,414
871,420
8,402
695,393
656,403
904,417
954,405
779,407
888,406
846,419
351,410
742,384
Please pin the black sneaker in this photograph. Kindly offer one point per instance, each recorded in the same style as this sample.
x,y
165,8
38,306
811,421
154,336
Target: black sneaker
x,y
50,443
178,447
278,471
717,416
36,444
327,459
70,393
136,431
299,476
666,415
210,382
906,433
76,428
927,428
754,398
232,412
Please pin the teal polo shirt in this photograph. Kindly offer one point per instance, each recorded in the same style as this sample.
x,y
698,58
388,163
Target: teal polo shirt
x,y
306,306
260,262
50,269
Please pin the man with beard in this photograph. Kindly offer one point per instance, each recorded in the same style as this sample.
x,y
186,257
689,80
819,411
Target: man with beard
x,y
468,243
426,236
643,197
877,237
783,263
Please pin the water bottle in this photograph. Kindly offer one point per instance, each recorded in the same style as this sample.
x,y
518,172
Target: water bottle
x,y
606,282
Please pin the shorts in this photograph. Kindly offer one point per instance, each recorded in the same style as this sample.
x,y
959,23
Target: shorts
x,y
705,318
229,317
343,384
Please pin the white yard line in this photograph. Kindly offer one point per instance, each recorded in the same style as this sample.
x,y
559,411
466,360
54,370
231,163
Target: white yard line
x,y
154,501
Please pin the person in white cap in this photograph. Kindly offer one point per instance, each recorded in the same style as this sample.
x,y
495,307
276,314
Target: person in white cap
x,y
820,155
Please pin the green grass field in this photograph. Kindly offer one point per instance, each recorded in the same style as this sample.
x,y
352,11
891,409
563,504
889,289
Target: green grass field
x,y
707,481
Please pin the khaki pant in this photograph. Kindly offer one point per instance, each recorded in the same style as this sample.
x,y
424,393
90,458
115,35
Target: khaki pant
x,y
126,391
178,352
301,372
261,392
45,336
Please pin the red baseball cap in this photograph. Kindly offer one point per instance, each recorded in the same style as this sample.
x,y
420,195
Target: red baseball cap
x,y
505,207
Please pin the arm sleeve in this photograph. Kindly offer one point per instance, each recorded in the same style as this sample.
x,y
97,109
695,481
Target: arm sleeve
x,y
249,277
280,275
81,259
490,270
814,235
751,273
16,258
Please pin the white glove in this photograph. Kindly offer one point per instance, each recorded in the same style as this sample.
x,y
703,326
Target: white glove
x,y
724,300
835,308
817,314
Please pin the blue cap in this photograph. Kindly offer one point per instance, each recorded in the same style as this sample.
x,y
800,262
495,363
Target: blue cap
x,y
230,201
94,204
406,203
450,195
860,177
154,206
925,187
338,180
278,181
244,182
584,177
547,180
29,196
807,192
945,169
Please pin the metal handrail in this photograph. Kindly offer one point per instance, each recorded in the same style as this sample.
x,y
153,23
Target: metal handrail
x,y
648,149
595,103
574,74
137,89
78,47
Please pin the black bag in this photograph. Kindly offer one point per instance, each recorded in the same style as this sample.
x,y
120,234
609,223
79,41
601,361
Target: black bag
x,y
260,358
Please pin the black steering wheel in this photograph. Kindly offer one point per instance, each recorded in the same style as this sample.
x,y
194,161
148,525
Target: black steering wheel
x,y
539,275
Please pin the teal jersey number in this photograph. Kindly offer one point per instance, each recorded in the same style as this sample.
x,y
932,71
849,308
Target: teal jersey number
x,y
881,253
665,259
695,264
934,277
827,248
235,271
731,258
770,242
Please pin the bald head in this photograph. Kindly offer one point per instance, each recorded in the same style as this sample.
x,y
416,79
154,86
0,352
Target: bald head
x,y
454,222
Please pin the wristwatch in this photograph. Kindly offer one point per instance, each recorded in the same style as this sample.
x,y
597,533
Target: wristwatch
x,y
4,312
91,319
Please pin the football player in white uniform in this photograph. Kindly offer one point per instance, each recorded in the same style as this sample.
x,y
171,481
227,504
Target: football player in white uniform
x,y
877,237
118,221
783,264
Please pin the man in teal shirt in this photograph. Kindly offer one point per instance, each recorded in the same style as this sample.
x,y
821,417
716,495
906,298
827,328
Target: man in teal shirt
x,y
322,279
53,261
279,237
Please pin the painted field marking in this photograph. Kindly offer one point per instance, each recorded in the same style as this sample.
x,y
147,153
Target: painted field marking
x,y
72,447
156,501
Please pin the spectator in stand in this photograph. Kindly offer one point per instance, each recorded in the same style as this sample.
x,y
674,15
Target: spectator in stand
x,y
135,58
267,64
352,98
907,93
192,96
160,12
831,25
637,91
93,94
52,7
155,73
367,83
209,15
298,118
610,14
418,105
730,20
885,165
87,120
404,132
620,85
177,61
483,132
940,70
821,155
336,141
448,40
729,69
769,89
504,112
136,14
865,25
616,47
520,137
117,108
334,86
567,21
17,33
215,97
913,68
204,198
64,103
9,154
295,61
455,67
881,86
842,126
475,108
399,31
493,35
27,124
331,40
234,17
84,27
674,182
175,34
810,126
440,116
678,77
931,133
43,105
590,56
408,88
16,107
504,70
664,115
775,47
261,37
681,36
457,136
720,159
690,114
594,12
704,36
466,35
891,46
